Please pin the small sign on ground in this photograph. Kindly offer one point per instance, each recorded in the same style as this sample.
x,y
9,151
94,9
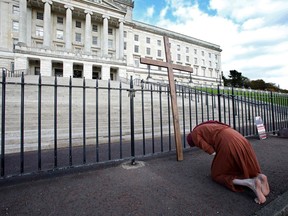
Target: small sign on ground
x,y
260,127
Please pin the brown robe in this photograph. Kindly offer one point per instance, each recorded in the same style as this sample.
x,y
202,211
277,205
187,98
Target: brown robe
x,y
235,157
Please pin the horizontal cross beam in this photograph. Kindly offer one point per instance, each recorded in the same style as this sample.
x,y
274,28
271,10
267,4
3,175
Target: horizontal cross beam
x,y
166,64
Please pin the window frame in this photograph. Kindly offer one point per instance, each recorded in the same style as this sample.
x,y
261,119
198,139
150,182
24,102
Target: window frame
x,y
79,37
39,31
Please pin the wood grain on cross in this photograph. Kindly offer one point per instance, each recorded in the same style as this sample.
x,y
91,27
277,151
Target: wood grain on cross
x,y
170,66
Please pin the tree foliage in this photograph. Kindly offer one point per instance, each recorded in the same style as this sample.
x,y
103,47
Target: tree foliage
x,y
235,79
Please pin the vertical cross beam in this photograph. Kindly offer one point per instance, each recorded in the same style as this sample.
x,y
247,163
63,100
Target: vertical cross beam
x,y
170,66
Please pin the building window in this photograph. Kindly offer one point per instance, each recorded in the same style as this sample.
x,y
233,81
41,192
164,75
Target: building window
x,y
136,49
203,71
195,51
39,31
94,28
202,53
60,20
37,70
159,53
39,15
178,57
178,48
196,69
136,37
15,10
94,40
59,34
110,44
110,31
187,59
210,63
125,34
216,57
159,42
15,26
148,51
78,24
187,49
195,61
148,40
136,63
209,55
125,45
78,37
203,62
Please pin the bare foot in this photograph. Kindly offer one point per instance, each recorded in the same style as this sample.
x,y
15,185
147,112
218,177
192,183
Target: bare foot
x,y
264,184
257,190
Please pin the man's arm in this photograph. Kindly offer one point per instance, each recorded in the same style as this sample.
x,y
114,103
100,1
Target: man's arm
x,y
201,143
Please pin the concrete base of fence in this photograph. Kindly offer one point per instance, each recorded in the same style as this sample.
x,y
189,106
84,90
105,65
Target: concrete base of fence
x,y
283,133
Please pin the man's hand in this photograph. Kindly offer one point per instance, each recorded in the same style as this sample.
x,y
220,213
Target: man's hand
x,y
214,153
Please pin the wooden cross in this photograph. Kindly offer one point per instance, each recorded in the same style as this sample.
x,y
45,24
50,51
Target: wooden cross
x,y
170,66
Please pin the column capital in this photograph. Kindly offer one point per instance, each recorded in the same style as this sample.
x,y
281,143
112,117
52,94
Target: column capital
x,y
121,20
69,7
88,12
105,16
47,1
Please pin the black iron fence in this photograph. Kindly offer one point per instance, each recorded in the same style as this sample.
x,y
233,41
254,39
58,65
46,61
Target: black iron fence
x,y
52,123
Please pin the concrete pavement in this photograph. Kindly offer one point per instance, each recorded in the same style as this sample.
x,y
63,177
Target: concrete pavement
x,y
161,186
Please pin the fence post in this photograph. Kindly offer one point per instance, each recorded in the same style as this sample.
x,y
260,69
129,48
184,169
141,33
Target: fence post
x,y
55,123
39,121
272,106
132,95
233,109
70,121
22,125
219,102
3,123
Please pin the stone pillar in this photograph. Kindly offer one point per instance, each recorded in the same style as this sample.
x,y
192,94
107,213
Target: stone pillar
x,y
88,37
105,73
67,69
23,22
68,35
88,70
121,39
47,23
46,67
121,72
105,36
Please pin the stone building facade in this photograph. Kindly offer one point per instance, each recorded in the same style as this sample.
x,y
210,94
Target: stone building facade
x,y
96,39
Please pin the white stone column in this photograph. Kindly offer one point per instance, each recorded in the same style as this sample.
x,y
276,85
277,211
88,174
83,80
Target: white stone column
x,y
105,36
105,73
47,23
88,36
121,39
23,22
67,69
46,67
122,72
88,70
68,35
